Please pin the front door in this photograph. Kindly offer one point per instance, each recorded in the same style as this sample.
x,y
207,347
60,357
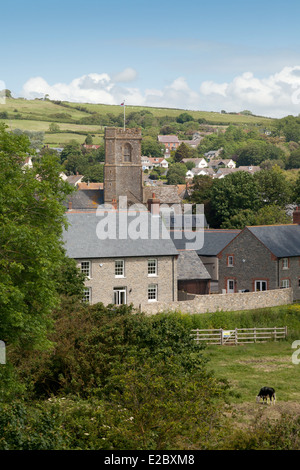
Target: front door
x,y
230,286
120,295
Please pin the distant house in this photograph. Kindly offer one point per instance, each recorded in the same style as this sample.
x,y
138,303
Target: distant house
x,y
213,154
91,146
262,258
199,162
200,172
250,169
194,142
170,142
74,179
226,163
148,163
227,171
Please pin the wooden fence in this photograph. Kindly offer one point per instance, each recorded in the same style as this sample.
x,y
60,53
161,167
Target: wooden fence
x,y
239,335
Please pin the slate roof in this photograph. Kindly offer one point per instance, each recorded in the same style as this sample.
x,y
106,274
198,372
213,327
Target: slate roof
x,y
282,240
213,242
190,266
167,194
85,199
81,240
168,138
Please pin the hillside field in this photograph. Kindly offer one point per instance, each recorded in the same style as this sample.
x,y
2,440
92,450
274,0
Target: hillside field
x,y
37,115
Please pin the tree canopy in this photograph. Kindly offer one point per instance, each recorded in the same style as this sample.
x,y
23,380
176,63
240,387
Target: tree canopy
x,y
31,252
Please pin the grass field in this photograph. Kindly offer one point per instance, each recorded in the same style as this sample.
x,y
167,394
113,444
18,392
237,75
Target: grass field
x,y
250,367
37,115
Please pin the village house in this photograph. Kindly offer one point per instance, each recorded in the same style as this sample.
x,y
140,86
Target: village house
x,y
262,258
148,163
225,163
198,162
170,142
200,172
214,241
122,269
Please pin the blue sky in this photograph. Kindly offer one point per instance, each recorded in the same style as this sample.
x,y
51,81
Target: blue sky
x,y
202,55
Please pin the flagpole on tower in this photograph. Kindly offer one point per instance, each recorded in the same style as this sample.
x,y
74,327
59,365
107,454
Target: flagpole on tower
x,y
123,104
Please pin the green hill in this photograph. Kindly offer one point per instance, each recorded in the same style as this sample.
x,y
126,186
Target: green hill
x,y
77,120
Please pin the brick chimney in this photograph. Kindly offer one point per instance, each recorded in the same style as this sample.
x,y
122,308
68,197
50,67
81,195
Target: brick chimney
x,y
154,205
296,216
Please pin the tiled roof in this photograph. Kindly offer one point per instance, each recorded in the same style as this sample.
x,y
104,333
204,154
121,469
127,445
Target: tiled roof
x,y
282,240
168,138
214,241
83,240
190,266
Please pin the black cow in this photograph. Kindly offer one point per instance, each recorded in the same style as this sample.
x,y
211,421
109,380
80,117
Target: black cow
x,y
266,392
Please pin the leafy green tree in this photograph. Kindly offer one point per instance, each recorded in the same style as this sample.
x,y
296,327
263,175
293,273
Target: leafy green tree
x,y
88,140
236,192
273,187
151,147
256,151
182,152
293,160
31,223
94,173
176,173
268,215
72,148
184,117
54,127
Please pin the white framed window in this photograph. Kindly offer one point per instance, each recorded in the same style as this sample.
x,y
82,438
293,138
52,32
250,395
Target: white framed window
x,y
119,295
285,263
230,260
261,286
119,268
152,267
152,293
87,295
85,267
285,283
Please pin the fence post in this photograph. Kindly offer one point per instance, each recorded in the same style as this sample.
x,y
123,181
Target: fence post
x,y
254,335
236,336
221,336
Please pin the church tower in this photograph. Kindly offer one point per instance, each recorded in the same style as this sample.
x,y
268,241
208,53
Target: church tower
x,y
123,175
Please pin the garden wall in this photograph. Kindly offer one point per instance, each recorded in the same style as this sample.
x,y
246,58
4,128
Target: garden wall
x,y
225,302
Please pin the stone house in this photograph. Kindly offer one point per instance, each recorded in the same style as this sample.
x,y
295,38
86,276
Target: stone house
x,y
212,244
262,258
122,267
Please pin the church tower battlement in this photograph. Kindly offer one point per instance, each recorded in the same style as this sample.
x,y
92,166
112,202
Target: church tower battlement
x,y
123,175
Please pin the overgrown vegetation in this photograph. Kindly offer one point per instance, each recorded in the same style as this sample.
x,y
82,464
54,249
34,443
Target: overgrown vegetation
x,y
119,380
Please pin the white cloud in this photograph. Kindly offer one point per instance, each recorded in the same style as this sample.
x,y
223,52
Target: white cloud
x,y
127,75
275,95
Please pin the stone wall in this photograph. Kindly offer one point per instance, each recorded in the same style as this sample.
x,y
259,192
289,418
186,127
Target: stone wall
x,y
225,302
